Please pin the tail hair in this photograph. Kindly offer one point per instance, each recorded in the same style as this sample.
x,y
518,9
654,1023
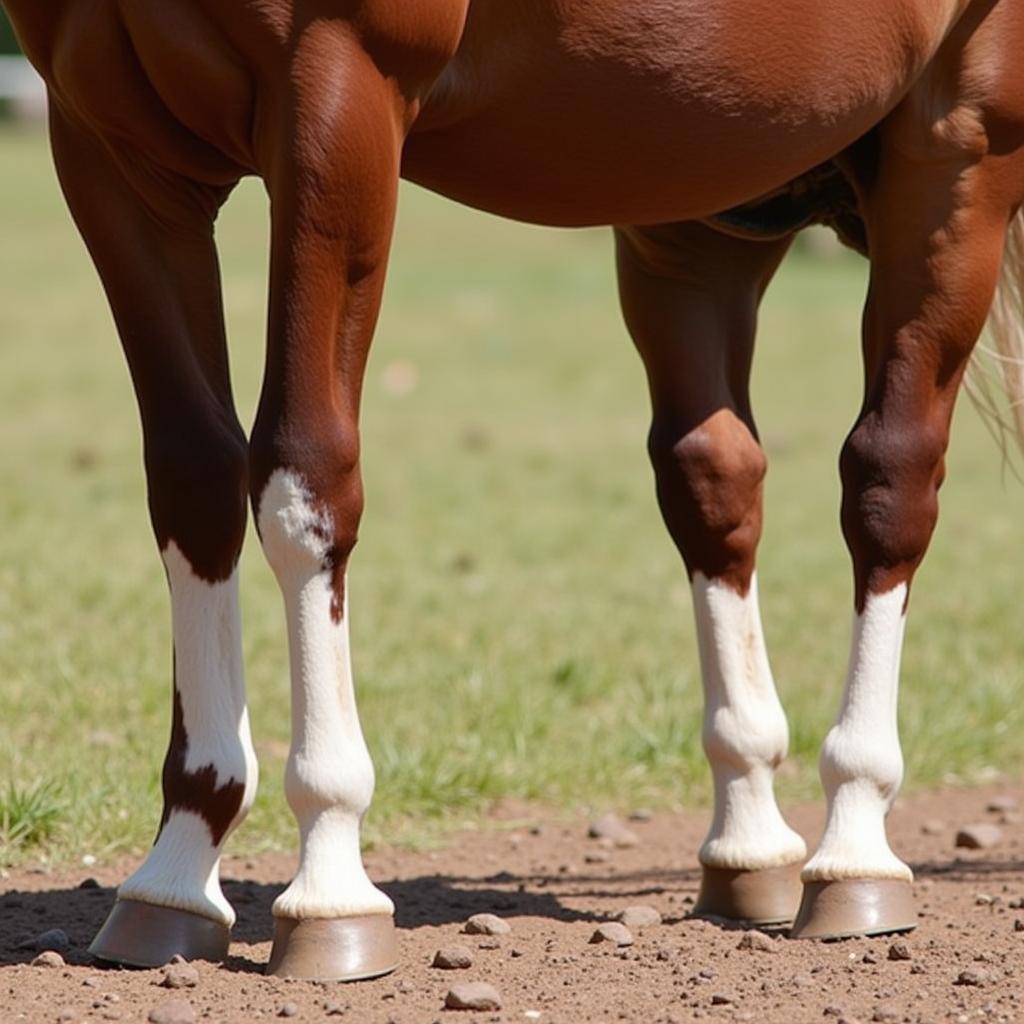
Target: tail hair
x,y
995,377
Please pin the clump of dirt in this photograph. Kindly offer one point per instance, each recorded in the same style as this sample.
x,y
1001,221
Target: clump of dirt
x,y
542,876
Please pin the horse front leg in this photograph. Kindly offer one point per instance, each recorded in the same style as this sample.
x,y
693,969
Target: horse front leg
x,y
690,297
936,229
333,191
151,237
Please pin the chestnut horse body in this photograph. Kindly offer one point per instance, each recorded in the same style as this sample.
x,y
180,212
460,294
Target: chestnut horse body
x,y
707,133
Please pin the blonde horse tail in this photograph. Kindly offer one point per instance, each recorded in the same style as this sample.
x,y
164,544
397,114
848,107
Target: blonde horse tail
x,y
995,378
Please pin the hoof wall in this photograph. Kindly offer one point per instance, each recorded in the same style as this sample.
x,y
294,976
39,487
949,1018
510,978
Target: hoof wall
x,y
334,949
855,906
138,934
763,897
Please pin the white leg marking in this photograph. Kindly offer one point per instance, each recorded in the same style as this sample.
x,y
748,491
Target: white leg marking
x,y
329,780
745,732
861,762
182,868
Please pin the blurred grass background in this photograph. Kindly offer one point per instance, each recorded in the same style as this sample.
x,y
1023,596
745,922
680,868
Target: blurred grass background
x,y
522,625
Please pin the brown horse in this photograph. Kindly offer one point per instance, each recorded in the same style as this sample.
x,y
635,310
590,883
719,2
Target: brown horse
x,y
708,133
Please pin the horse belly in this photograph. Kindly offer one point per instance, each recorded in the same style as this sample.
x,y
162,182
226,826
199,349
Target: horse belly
x,y
624,111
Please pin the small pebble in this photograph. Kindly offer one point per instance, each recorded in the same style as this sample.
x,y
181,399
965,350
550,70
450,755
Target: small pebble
x,y
55,939
888,1013
179,973
975,976
869,958
68,1015
613,932
722,999
88,883
596,857
640,917
646,814
1001,803
176,1011
453,958
612,828
933,827
758,941
49,958
334,1009
900,951
981,836
473,995
487,924
1018,925
288,1009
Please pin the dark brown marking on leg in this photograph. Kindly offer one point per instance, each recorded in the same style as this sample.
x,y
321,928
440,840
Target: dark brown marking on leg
x,y
196,791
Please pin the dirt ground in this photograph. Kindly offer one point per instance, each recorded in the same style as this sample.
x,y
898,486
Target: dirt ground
x,y
554,886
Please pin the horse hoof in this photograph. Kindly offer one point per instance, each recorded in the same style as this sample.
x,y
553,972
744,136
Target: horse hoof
x,y
138,934
766,896
855,906
334,949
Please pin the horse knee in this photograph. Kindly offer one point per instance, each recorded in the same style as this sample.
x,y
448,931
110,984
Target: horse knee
x,y
891,476
309,504
709,487
196,473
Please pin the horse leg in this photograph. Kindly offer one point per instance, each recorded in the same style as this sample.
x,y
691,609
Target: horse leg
x,y
936,214
690,298
333,195
155,254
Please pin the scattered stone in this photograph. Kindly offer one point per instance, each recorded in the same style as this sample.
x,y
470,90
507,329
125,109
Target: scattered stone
x,y
176,1011
887,1013
532,1014
869,958
91,981
802,980
933,827
493,942
640,917
980,836
833,1011
334,1009
89,883
758,941
49,958
614,932
983,899
1001,803
453,958
473,995
900,951
1018,925
54,938
722,999
646,814
179,973
613,829
288,1009
68,1015
596,857
975,976
515,952
487,924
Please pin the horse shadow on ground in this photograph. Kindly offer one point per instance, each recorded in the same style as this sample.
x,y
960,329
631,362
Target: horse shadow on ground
x,y
426,901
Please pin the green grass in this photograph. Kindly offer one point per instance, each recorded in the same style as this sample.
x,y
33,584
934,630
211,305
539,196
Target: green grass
x,y
522,625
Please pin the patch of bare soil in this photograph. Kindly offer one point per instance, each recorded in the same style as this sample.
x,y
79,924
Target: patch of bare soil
x,y
555,887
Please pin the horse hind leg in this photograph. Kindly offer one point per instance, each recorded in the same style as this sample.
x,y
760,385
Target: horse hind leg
x,y
690,297
937,217
160,274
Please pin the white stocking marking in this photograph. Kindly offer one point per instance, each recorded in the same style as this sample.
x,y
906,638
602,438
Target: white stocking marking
x,y
861,761
745,732
329,779
182,868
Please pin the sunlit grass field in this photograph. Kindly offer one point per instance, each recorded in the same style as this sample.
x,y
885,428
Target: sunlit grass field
x,y
522,625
